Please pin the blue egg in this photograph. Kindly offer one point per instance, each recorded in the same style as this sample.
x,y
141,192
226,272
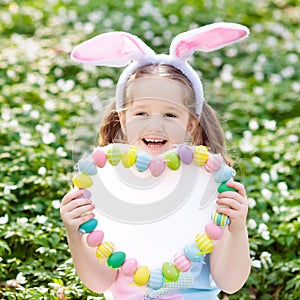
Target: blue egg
x,y
156,280
88,226
87,167
192,252
142,161
224,174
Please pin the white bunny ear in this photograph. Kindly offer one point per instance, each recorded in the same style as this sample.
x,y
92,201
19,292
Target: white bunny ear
x,y
207,38
114,49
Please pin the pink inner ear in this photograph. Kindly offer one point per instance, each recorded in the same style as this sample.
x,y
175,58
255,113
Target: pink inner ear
x,y
209,40
112,47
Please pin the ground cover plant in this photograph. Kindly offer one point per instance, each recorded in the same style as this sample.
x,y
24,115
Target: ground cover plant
x,y
48,110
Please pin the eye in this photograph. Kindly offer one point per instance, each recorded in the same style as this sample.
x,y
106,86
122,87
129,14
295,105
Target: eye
x,y
170,115
143,114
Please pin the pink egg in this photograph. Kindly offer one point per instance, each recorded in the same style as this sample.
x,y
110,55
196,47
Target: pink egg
x,y
157,166
129,267
181,262
213,231
95,238
185,154
99,157
214,162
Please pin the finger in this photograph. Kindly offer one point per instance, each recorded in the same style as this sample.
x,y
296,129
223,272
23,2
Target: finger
x,y
78,202
70,196
229,202
233,195
237,186
80,211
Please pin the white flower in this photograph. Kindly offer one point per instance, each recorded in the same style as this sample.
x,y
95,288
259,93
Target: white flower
x,y
20,278
60,151
270,124
266,193
48,138
265,177
41,219
256,264
275,79
256,160
105,83
293,138
257,90
265,217
251,202
296,86
266,235
262,228
252,224
42,171
282,186
56,204
266,259
253,125
22,221
4,219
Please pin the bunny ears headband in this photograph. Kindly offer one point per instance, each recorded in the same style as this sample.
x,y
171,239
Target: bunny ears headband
x,y
118,49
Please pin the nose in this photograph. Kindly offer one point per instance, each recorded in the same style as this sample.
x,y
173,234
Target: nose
x,y
155,123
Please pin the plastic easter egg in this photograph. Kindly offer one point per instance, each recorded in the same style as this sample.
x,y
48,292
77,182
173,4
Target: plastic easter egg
x,y
157,166
156,280
204,243
170,272
95,238
87,167
185,154
128,157
192,253
129,267
86,194
142,161
220,219
116,259
113,155
223,187
200,155
104,250
224,174
141,275
213,231
181,262
83,181
172,160
99,157
214,162
88,226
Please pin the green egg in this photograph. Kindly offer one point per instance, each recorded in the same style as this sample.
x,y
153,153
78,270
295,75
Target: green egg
x,y
224,188
170,272
114,155
172,160
88,226
116,260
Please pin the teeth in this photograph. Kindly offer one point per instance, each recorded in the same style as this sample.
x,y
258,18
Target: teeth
x,y
153,141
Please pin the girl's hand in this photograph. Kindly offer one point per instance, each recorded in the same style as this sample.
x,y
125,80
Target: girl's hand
x,y
234,205
75,210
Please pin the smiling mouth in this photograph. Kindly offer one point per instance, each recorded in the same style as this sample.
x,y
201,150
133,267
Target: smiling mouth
x,y
154,142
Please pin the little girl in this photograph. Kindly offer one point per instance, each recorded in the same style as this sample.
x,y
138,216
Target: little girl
x,y
160,103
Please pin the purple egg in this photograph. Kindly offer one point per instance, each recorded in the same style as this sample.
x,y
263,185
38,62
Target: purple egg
x,y
157,166
185,154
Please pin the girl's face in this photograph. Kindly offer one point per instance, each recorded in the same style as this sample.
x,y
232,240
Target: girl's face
x,y
156,117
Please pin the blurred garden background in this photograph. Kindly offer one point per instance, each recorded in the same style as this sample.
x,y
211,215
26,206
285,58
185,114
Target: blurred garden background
x,y
254,85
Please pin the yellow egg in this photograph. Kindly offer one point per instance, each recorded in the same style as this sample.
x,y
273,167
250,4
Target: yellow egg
x,y
82,180
104,250
128,158
141,275
200,155
204,243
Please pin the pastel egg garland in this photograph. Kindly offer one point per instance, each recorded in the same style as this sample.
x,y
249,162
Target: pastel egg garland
x,y
203,243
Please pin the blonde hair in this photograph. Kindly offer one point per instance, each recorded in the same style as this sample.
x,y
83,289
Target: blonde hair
x,y
208,132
